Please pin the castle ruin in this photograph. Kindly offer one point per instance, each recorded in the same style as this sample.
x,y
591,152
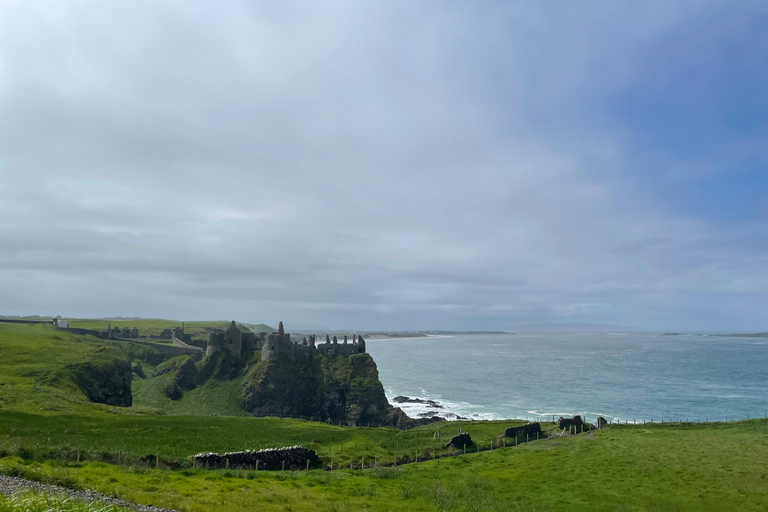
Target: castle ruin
x,y
271,345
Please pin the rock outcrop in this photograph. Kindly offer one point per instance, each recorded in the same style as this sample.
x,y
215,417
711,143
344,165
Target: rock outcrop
x,y
408,400
531,429
460,441
104,381
342,388
184,377
569,422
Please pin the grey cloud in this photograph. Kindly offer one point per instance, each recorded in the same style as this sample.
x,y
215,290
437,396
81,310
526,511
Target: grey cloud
x,y
354,164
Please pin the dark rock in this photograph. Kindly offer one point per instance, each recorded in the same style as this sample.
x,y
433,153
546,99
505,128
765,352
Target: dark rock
x,y
186,374
529,429
398,419
460,441
601,422
568,422
138,370
295,457
105,382
407,400
345,389
172,390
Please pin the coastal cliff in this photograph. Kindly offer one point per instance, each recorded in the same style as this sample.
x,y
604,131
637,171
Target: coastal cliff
x,y
342,388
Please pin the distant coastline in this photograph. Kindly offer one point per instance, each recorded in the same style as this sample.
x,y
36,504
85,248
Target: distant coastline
x,y
392,335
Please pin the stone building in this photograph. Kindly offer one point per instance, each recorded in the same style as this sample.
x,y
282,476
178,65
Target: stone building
x,y
232,340
272,345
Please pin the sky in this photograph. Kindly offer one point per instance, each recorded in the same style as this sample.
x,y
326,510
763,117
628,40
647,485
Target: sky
x,y
387,165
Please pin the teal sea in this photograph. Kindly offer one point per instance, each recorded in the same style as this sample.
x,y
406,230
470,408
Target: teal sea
x,y
621,376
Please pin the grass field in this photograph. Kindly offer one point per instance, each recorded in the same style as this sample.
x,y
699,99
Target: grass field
x,y
31,502
155,326
176,438
33,355
693,467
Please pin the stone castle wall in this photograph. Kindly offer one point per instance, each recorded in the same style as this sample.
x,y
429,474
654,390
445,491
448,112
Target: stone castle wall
x,y
273,344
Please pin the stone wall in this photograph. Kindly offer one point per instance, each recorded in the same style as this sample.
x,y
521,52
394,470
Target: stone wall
x,y
294,457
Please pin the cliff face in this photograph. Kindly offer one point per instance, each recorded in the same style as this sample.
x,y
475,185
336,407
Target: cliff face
x,y
342,388
105,382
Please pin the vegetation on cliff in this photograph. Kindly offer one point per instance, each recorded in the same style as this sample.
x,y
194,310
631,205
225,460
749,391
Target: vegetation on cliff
x,y
105,382
342,388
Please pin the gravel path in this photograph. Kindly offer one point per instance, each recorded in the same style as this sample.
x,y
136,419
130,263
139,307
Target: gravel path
x,y
11,484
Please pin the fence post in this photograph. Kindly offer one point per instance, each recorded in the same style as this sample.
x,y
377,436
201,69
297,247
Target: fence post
x,y
78,454
157,460
37,449
226,463
283,466
307,464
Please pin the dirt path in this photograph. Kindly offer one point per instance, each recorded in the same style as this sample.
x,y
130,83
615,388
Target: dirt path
x,y
10,485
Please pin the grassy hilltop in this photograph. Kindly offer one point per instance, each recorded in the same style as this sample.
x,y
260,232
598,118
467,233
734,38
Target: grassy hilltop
x,y
47,418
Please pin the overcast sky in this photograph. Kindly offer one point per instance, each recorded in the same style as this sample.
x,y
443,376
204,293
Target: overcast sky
x,y
387,165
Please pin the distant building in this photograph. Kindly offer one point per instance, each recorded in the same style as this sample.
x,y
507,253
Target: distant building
x,y
60,324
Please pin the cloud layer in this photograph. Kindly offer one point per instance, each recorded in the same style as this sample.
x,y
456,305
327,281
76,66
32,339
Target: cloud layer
x,y
386,165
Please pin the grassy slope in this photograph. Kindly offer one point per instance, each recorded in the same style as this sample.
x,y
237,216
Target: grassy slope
x,y
628,468
32,355
213,398
156,326
178,437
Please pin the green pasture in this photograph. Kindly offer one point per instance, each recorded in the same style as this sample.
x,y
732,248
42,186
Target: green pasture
x,y
34,363
670,467
176,438
154,327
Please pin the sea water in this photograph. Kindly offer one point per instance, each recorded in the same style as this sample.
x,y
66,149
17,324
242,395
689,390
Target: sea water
x,y
621,376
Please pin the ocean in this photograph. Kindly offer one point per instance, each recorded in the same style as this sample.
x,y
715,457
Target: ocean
x,y
632,377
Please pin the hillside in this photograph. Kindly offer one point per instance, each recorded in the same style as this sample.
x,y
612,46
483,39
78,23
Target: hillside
x,y
153,326
59,371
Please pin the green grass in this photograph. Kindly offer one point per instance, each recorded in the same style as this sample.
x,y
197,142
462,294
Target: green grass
x,y
32,502
34,368
213,398
176,438
197,329
695,467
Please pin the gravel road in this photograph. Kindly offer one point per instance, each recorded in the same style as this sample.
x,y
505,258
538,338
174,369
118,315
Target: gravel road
x,y
11,484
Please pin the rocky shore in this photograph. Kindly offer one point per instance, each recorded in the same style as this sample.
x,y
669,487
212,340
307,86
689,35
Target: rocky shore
x,y
429,415
10,485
